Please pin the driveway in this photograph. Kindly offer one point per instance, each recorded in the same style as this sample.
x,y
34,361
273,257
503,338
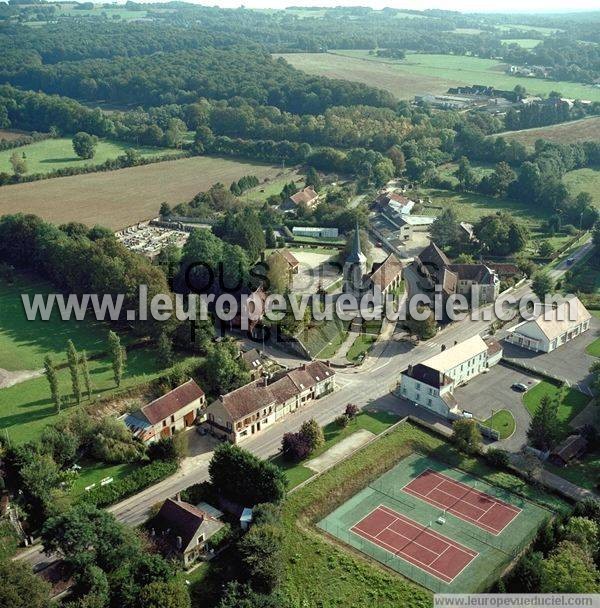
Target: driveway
x,y
569,362
492,391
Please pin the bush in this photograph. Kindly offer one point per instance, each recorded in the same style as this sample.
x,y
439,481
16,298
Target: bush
x,y
497,458
132,484
295,447
224,536
342,421
199,492
313,433
351,410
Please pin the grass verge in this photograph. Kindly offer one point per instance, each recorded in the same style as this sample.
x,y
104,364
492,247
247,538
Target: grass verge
x,y
503,422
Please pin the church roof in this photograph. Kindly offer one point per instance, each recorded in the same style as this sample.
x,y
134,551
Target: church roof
x,y
356,255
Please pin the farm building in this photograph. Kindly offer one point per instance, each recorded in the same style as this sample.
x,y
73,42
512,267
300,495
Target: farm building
x,y
316,232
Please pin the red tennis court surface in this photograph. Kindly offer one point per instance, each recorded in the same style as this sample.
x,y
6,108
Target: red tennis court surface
x,y
415,543
463,501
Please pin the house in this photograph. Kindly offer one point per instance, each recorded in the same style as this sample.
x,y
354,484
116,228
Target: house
x,y
386,276
253,407
252,361
307,196
477,281
164,416
392,200
319,232
431,383
467,232
290,259
183,530
572,447
552,328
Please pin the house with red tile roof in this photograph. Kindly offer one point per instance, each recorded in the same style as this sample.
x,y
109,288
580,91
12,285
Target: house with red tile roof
x,y
253,407
307,197
168,414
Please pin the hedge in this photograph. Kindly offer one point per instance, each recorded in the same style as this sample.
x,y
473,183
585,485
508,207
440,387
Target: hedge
x,y
132,484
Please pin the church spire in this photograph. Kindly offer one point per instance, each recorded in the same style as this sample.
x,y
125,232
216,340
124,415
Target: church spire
x,y
356,255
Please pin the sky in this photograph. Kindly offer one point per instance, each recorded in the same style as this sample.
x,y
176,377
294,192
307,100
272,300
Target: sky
x,y
505,6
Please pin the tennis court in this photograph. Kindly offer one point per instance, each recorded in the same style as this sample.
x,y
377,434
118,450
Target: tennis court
x,y
415,543
439,543
465,502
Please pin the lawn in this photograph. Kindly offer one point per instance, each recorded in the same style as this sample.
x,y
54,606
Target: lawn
x,y
24,344
375,422
594,348
360,347
571,401
503,422
126,196
272,187
51,154
585,472
93,472
26,408
584,180
427,73
572,132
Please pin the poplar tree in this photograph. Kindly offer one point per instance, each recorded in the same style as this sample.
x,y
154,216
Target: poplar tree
x,y
50,373
116,353
73,368
85,370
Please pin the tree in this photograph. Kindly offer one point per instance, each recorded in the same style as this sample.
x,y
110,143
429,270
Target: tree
x,y
501,234
114,443
313,179
527,575
278,273
165,594
466,435
542,284
396,155
569,569
20,587
583,532
544,428
313,433
85,144
351,410
50,373
423,329
237,595
164,349
18,163
116,354
295,447
467,178
245,479
445,230
546,249
223,369
261,556
85,370
73,360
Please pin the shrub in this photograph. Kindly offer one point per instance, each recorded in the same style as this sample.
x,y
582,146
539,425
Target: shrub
x,y
295,447
313,434
342,421
199,492
351,410
133,483
497,458
220,538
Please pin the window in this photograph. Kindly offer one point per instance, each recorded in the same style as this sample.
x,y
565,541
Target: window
x,y
172,418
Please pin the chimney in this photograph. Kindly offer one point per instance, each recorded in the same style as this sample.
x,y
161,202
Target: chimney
x,y
303,366
409,369
179,542
178,497
455,342
443,347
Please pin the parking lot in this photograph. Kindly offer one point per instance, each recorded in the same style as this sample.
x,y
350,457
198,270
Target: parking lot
x,y
569,362
492,391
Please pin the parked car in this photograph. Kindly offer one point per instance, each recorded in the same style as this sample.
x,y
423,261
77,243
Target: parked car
x,y
520,387
570,261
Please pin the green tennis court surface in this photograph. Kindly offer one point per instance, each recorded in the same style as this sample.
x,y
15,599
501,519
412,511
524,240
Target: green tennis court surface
x,y
401,529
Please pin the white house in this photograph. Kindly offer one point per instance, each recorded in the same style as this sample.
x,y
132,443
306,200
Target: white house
x,y
552,328
431,384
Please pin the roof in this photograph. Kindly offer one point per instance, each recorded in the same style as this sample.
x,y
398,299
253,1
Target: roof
x,y
554,322
288,256
417,220
433,257
306,195
251,359
478,273
172,402
494,347
427,375
571,447
503,268
386,272
457,354
356,255
259,394
386,197
185,520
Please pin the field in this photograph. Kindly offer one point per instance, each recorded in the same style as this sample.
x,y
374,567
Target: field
x,y
117,199
24,344
584,180
338,575
394,521
571,402
427,73
11,135
27,408
586,129
51,154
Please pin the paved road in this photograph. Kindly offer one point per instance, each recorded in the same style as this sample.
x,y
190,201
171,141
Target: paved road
x,y
368,385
